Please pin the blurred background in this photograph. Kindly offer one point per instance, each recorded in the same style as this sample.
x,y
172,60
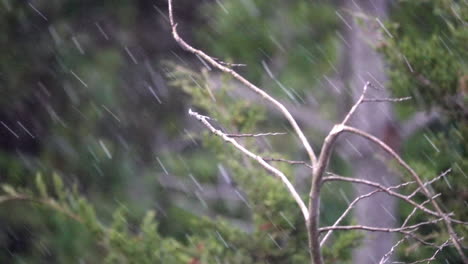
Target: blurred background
x,y
97,92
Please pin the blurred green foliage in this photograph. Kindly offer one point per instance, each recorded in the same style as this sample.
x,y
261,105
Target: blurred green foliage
x,y
428,60
297,39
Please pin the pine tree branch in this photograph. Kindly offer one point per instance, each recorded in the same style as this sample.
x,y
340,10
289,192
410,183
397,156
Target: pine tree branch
x,y
42,201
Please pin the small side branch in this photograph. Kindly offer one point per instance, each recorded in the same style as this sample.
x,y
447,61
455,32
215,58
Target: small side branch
x,y
387,256
356,105
256,135
391,100
262,162
443,174
292,162
403,230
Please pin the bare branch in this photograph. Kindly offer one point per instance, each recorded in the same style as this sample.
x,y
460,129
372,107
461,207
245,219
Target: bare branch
x,y
319,169
380,229
379,100
356,105
415,208
345,213
387,256
230,64
443,174
256,135
320,163
247,83
259,159
293,162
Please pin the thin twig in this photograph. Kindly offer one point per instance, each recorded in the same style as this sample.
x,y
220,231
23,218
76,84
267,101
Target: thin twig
x,y
293,162
387,256
380,229
230,64
394,100
256,135
416,208
443,174
356,105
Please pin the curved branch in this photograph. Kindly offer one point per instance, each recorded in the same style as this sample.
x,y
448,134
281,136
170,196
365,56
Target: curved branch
x,y
247,83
